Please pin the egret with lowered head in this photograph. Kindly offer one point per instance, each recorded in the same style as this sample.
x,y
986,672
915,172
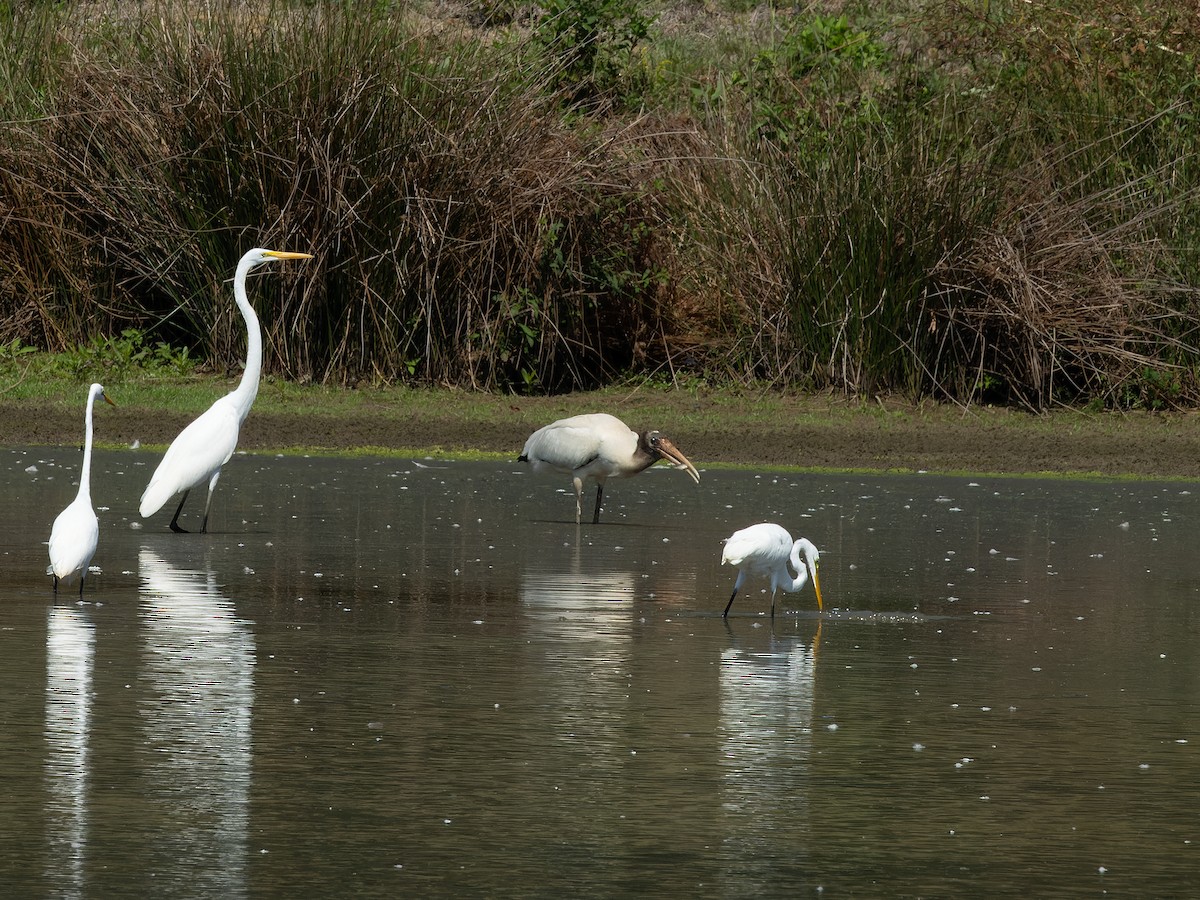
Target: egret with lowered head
x,y
765,549
203,447
598,446
76,531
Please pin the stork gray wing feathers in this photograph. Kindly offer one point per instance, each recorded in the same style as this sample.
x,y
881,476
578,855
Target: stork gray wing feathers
x,y
566,445
570,447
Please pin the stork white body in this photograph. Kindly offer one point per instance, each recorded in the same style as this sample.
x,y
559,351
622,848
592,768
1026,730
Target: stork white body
x,y
196,456
76,531
598,446
765,550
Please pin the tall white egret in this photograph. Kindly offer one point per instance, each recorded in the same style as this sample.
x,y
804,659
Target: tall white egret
x,y
598,446
76,531
203,447
766,549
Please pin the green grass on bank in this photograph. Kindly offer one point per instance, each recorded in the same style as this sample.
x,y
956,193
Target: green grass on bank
x,y
766,430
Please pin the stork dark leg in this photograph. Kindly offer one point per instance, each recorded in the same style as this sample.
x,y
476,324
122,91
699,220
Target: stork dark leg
x,y
175,518
599,497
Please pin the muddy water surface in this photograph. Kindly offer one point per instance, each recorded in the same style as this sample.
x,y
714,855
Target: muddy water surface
x,y
422,678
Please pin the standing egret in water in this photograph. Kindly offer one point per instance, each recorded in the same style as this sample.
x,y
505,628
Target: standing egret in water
x,y
198,453
76,531
766,549
598,446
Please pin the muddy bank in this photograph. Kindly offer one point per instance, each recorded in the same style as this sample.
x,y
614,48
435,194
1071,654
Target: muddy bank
x,y
799,432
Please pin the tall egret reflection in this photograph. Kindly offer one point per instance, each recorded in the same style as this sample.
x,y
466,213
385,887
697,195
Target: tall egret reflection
x,y
199,668
70,661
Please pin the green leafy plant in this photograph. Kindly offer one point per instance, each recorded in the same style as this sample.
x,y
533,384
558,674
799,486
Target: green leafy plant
x,y
13,352
591,43
123,355
830,41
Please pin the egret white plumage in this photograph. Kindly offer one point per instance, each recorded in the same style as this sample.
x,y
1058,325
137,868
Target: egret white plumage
x,y
766,549
203,447
76,531
598,446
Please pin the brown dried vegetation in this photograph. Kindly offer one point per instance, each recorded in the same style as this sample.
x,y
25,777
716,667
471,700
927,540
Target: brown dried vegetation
x,y
995,206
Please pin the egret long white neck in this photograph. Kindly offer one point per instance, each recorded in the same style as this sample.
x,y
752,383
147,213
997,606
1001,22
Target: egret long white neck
x,y
247,389
85,473
801,577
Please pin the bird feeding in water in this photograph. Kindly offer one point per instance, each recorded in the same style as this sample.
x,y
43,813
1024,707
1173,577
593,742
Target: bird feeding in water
x,y
203,447
766,549
598,446
76,530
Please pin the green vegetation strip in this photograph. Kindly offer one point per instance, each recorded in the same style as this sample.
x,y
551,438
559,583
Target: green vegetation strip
x,y
716,429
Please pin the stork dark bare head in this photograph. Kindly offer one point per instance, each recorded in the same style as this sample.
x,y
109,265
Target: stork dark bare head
x,y
657,447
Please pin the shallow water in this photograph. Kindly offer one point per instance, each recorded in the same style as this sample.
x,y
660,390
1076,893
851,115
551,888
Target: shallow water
x,y
386,677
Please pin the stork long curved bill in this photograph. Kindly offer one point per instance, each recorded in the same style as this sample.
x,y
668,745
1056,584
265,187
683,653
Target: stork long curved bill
x,y
671,453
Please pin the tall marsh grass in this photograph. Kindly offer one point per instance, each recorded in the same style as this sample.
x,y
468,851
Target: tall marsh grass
x,y
464,234
977,203
1026,234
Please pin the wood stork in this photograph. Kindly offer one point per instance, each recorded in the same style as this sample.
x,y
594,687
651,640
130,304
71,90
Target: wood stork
x,y
203,447
598,446
76,530
766,549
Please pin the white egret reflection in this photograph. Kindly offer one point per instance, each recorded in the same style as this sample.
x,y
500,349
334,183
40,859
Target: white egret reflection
x,y
197,713
70,660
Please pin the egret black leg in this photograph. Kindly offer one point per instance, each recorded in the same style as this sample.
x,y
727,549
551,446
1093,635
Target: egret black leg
x,y
725,615
599,497
82,575
175,527
55,585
